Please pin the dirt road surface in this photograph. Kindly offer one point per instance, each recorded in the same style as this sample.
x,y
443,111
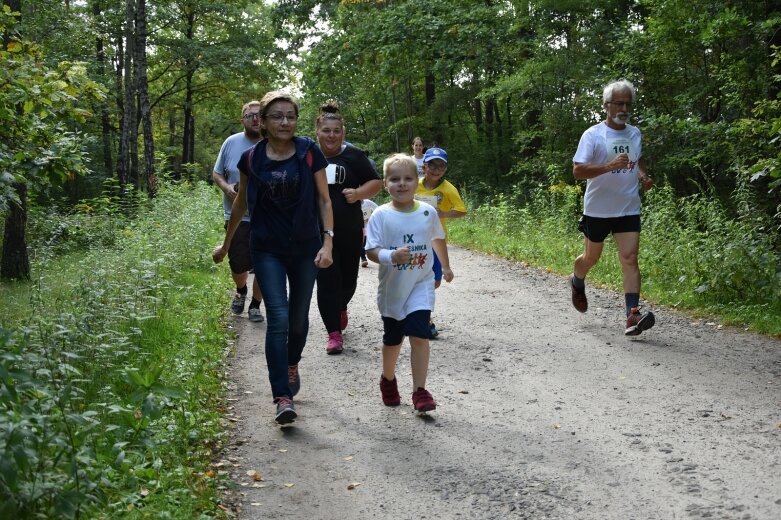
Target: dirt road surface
x,y
543,413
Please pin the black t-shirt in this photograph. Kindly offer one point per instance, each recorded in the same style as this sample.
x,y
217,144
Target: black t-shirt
x,y
352,169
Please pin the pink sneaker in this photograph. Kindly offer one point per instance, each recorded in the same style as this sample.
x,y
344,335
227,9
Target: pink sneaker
x,y
343,320
335,343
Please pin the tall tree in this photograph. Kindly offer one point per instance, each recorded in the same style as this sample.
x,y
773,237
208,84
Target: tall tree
x,y
143,100
39,106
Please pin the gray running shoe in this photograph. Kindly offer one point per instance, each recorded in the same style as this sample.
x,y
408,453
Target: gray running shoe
x,y
286,412
237,305
255,315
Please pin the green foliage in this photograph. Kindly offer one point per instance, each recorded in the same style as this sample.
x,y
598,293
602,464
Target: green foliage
x,y
109,371
38,105
694,255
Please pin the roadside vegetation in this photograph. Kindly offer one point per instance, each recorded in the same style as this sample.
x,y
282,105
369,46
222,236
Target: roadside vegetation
x,y
694,255
111,361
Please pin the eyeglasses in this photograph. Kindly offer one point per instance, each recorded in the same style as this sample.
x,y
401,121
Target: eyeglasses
x,y
624,104
277,118
436,166
251,115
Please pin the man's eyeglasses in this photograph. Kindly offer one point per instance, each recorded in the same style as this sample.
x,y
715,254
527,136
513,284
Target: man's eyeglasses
x,y
252,115
277,118
624,104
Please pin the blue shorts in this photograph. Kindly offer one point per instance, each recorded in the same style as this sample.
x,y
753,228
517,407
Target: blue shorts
x,y
437,267
415,324
597,229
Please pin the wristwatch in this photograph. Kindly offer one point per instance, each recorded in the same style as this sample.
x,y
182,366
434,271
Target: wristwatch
x,y
329,232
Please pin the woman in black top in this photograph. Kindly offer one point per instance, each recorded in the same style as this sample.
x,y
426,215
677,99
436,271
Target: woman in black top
x,y
351,178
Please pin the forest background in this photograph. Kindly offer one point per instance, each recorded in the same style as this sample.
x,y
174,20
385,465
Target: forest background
x,y
113,113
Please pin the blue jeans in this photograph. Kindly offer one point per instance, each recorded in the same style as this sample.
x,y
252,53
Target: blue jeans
x,y
287,318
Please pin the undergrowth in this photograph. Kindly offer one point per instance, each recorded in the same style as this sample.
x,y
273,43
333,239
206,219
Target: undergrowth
x,y
694,256
110,364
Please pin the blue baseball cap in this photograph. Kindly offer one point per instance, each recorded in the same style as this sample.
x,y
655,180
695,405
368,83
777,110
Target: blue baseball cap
x,y
435,153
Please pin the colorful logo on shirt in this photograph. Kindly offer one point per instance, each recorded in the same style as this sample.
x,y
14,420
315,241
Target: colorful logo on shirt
x,y
419,254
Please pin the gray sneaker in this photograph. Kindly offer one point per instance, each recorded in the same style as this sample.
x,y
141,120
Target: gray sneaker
x,y
286,412
255,315
237,305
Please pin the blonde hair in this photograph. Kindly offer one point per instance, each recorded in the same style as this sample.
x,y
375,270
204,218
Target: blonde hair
x,y
402,159
253,103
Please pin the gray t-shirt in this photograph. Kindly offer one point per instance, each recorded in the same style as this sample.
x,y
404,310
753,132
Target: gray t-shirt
x,y
227,165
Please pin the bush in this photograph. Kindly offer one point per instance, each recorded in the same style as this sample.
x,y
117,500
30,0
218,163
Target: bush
x,y
108,381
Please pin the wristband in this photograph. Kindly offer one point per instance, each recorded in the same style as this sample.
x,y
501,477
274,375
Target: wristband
x,y
385,256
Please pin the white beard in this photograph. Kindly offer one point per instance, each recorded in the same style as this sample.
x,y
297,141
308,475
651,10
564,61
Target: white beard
x,y
621,121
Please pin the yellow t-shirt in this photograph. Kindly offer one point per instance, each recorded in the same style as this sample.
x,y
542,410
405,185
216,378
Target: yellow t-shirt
x,y
444,197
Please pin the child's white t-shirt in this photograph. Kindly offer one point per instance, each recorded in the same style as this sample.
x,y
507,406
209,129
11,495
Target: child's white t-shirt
x,y
616,193
406,288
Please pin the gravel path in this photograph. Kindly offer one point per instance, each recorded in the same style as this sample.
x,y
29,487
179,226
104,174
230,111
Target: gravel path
x,y
542,413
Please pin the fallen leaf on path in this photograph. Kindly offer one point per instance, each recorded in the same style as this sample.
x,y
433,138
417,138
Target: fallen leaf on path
x,y
256,485
283,451
353,485
254,475
349,458
210,473
289,485
557,426
256,504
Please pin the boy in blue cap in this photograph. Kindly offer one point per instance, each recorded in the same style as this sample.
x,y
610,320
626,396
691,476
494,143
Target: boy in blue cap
x,y
441,194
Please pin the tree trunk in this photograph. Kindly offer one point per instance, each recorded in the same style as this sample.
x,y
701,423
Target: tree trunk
x,y
394,117
174,163
15,263
187,151
129,105
143,101
410,109
105,122
430,89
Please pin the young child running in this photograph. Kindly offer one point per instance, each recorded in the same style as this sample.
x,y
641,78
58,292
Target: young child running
x,y
435,190
401,236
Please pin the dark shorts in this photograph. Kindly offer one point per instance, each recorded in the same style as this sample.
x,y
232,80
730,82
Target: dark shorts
x,y
597,229
239,257
415,324
437,267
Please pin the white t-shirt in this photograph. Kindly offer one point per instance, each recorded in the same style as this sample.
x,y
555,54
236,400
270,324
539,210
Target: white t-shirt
x,y
367,207
409,287
419,163
227,165
616,193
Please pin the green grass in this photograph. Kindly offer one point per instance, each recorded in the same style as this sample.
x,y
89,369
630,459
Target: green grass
x,y
693,257
111,366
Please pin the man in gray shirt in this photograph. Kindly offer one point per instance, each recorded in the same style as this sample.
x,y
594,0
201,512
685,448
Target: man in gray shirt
x,y
226,176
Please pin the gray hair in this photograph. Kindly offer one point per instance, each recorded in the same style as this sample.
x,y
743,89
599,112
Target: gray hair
x,y
621,84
